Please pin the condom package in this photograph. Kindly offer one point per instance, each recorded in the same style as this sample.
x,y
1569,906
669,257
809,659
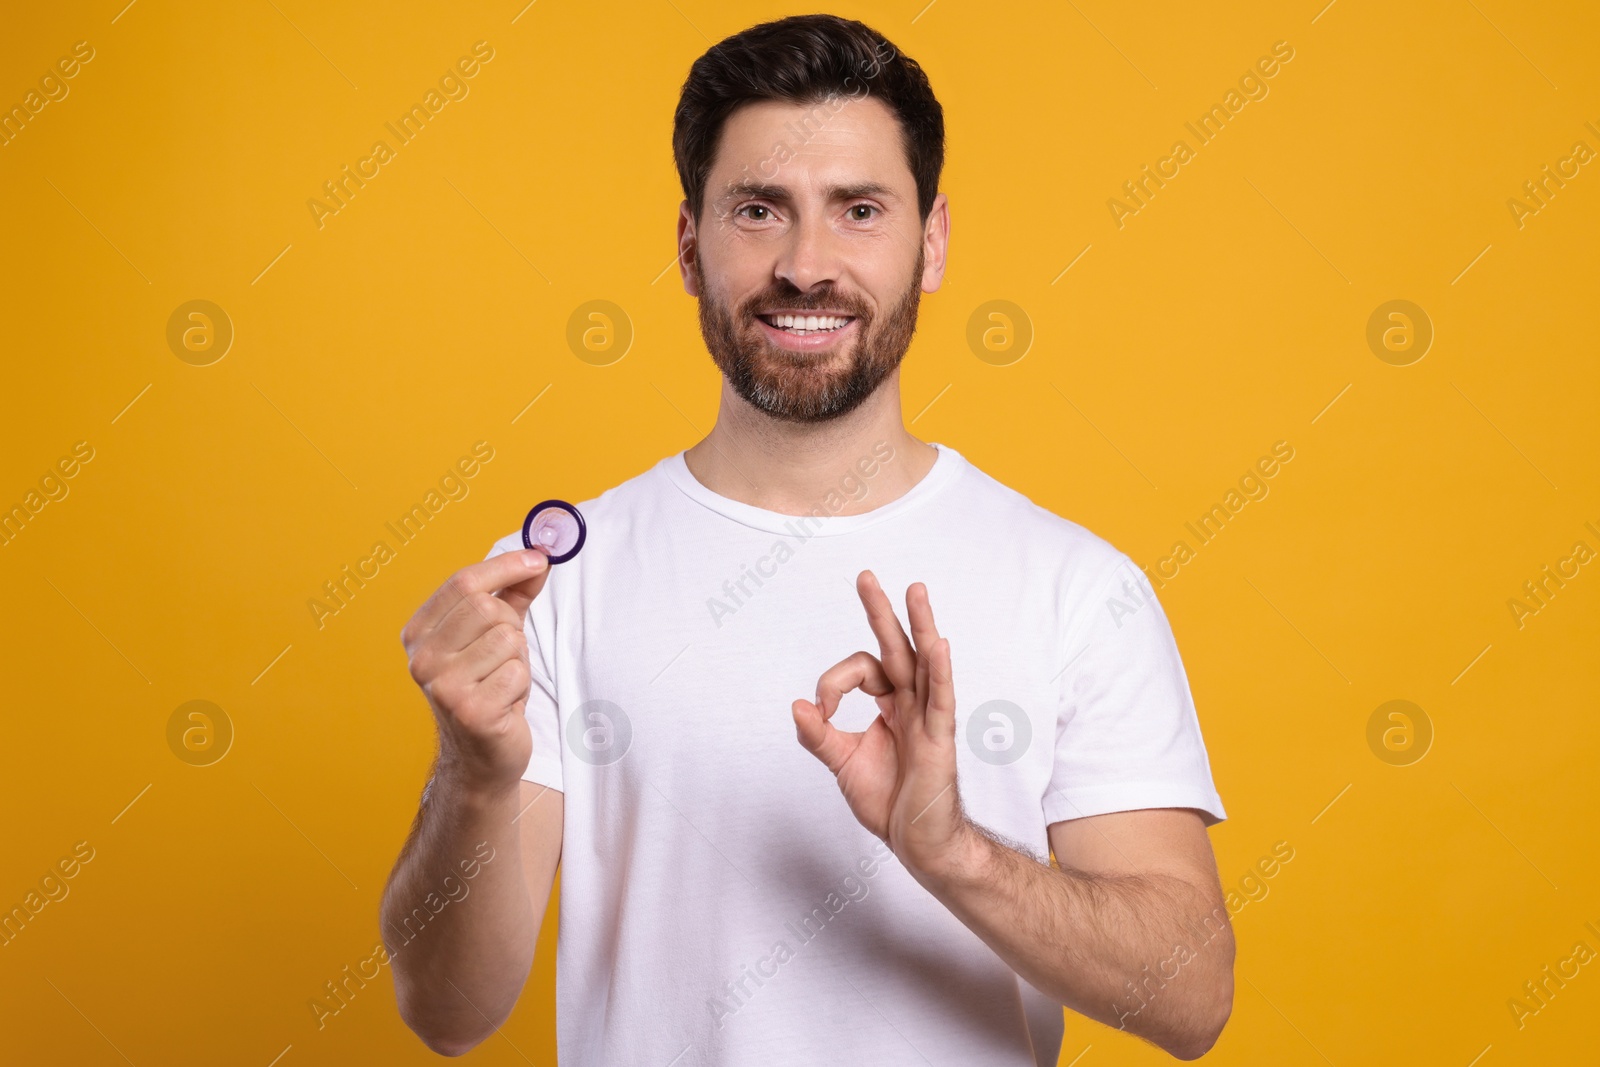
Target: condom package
x,y
556,528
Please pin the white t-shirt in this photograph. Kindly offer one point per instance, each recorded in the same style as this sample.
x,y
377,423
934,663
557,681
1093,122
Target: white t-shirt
x,y
719,903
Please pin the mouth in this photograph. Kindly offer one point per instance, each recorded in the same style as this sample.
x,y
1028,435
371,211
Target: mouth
x,y
807,325
804,333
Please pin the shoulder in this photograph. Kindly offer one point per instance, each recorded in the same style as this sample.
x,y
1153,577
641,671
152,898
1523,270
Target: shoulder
x,y
1043,542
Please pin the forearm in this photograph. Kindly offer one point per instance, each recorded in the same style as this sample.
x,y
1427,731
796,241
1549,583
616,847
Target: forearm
x,y
1147,953
460,945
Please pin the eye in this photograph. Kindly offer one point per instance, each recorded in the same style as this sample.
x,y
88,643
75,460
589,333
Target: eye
x,y
754,207
862,207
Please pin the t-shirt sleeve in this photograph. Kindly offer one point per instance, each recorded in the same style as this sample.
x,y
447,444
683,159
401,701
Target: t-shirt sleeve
x,y
1127,735
543,712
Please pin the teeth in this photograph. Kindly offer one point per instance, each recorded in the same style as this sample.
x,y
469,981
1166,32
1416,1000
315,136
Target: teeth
x,y
807,323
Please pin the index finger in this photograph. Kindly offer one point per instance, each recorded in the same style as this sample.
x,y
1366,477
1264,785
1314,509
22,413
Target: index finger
x,y
898,657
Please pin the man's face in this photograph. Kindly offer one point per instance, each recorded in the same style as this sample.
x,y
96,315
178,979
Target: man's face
x,y
810,211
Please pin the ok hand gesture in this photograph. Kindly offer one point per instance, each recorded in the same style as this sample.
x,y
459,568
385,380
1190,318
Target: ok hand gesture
x,y
898,775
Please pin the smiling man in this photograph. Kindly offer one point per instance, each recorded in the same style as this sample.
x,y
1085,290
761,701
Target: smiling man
x,y
777,846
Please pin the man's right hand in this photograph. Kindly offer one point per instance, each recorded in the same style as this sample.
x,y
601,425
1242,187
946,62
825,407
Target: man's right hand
x,y
467,652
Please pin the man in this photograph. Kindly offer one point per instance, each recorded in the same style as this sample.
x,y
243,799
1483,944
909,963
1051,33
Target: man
x,y
634,714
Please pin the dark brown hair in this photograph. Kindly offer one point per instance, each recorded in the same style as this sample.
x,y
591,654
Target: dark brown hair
x,y
805,59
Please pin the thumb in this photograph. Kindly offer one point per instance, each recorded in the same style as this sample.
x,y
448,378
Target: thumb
x,y
819,736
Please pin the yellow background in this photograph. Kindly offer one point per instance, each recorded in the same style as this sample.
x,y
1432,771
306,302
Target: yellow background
x,y
1226,315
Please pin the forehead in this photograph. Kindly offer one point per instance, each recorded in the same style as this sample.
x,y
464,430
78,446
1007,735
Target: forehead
x,y
800,145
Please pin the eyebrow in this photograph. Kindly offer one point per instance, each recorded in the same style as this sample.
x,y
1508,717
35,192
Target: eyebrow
x,y
767,191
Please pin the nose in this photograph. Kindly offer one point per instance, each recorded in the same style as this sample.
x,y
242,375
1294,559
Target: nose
x,y
810,255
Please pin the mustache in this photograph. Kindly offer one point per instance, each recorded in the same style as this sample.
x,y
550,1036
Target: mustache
x,y
800,302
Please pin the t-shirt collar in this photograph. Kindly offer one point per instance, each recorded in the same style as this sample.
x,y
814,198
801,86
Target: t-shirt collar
x,y
947,466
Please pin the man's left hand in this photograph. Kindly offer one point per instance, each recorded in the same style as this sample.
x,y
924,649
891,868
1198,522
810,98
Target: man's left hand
x,y
899,774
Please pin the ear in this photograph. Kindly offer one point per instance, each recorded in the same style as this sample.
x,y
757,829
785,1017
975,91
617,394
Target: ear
x,y
935,244
688,248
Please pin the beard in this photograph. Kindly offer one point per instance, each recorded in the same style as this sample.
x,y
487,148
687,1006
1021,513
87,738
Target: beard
x,y
807,387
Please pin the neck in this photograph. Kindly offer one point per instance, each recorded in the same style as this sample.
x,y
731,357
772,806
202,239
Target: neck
x,y
790,467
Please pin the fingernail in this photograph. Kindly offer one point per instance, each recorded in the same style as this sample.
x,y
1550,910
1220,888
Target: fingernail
x,y
535,559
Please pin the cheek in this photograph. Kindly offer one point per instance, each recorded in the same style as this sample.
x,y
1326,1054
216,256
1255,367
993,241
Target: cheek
x,y
733,276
